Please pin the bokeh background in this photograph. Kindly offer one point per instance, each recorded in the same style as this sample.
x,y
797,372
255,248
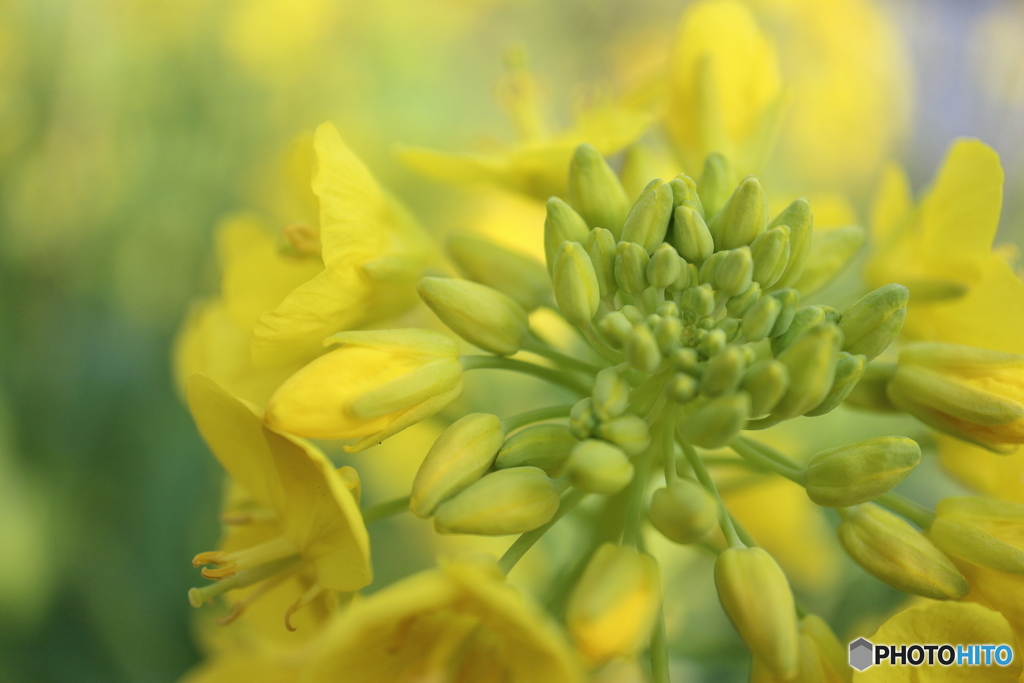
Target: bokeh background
x,y
128,128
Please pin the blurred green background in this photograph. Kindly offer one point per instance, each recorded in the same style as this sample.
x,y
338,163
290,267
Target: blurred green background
x,y
129,127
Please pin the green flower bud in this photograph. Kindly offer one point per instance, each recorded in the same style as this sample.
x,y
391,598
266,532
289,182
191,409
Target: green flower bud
x,y
831,252
633,314
562,224
631,267
738,306
870,392
798,217
682,387
629,432
648,220
641,349
583,418
546,446
577,292
599,467
707,270
756,595
684,279
771,255
766,382
743,218
479,314
723,373
611,394
517,275
811,363
667,334
664,267
601,249
790,299
981,531
859,472
849,369
731,327
668,310
595,191
700,300
691,235
459,457
511,501
717,422
615,328
803,319
713,343
896,553
683,512
716,183
685,360
734,273
760,319
684,189
874,322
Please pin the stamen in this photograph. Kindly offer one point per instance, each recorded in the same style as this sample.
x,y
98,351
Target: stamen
x,y
198,596
307,597
238,609
239,560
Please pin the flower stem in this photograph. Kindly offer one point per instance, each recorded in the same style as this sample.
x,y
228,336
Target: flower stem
x,y
527,540
531,416
659,650
547,374
534,344
724,518
602,348
668,445
388,508
915,512
635,502
757,456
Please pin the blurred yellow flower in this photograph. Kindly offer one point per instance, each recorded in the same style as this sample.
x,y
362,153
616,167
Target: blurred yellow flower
x,y
996,475
460,623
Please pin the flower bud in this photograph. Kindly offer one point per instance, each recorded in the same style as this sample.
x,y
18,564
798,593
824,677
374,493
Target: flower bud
x,y
713,343
738,306
849,370
684,189
803,320
798,217
611,394
599,467
629,432
480,315
633,314
874,322
700,300
612,608
561,224
595,191
755,594
734,273
831,252
667,334
790,299
546,446
743,218
459,456
664,267
896,553
974,394
716,183
682,387
631,263
707,270
811,363
647,221
601,249
691,235
760,318
685,360
577,292
822,658
731,327
641,349
723,373
683,512
615,328
717,422
511,501
859,472
669,309
981,531
582,418
517,275
771,255
766,382
689,276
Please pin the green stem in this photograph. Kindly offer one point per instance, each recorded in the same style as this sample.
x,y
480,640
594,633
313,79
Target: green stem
x,y
534,344
527,540
659,650
915,512
635,502
547,374
388,508
602,348
668,445
724,518
531,416
749,451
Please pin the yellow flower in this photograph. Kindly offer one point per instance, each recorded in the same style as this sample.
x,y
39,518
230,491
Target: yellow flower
x,y
999,476
1000,591
376,385
460,623
953,623
373,251
961,291
299,515
536,164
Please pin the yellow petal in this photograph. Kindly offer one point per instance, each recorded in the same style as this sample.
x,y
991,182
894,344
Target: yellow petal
x,y
892,206
999,476
1001,592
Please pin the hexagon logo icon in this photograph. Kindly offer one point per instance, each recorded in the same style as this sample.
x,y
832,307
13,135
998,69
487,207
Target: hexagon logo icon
x,y
861,654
